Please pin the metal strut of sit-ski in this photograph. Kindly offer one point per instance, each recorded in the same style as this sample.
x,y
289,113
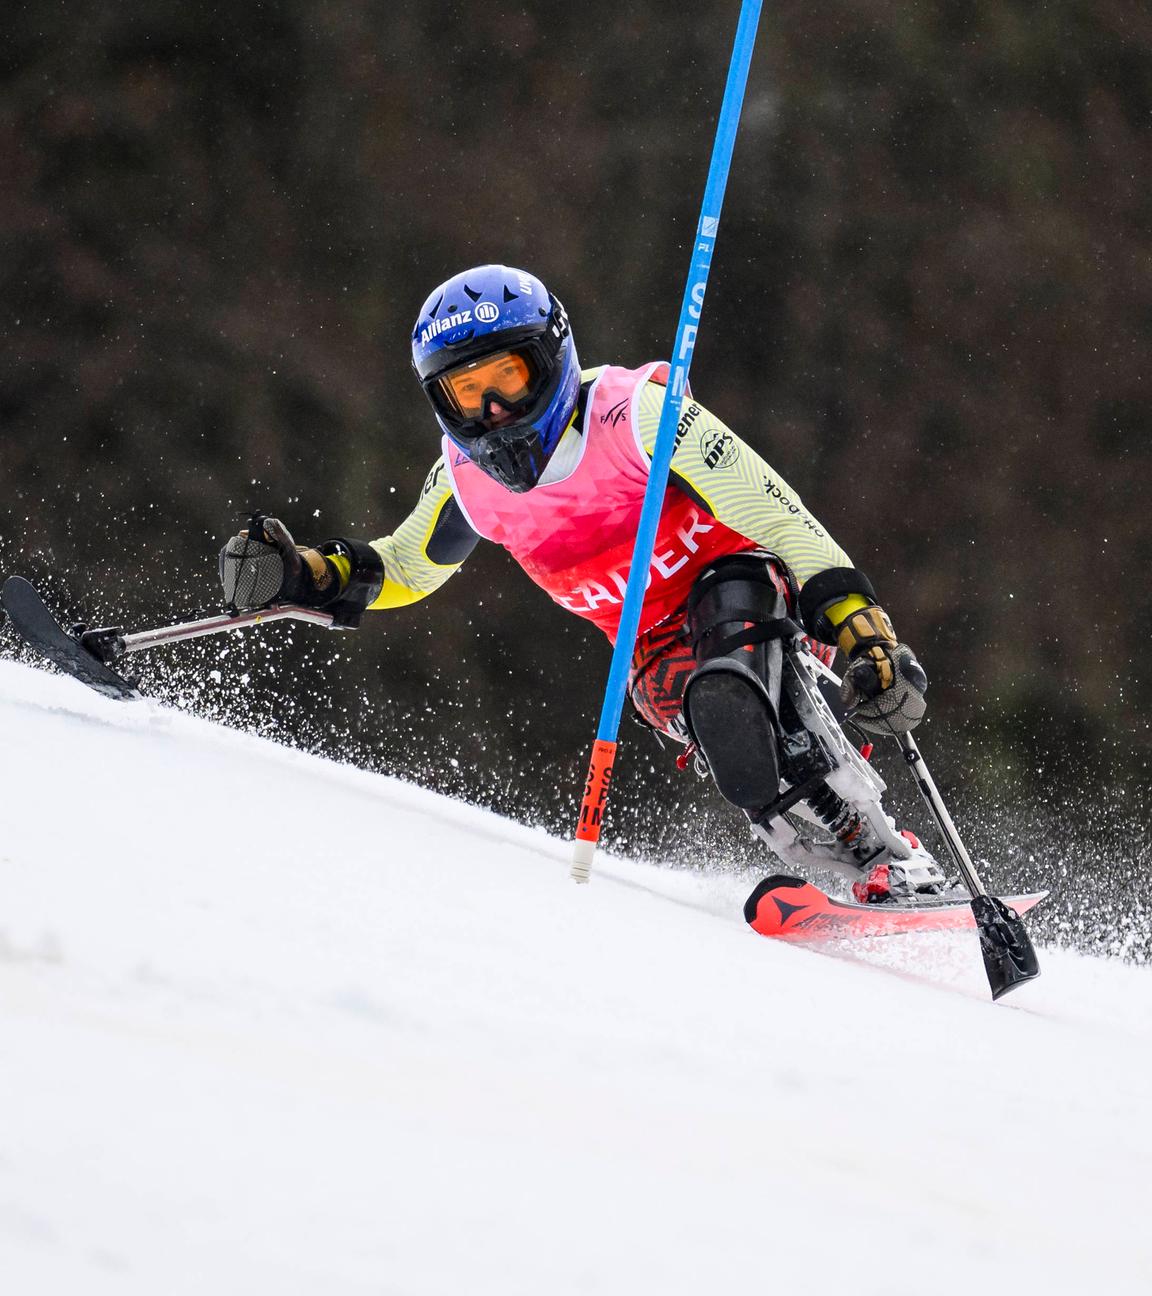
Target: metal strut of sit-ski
x,y
604,749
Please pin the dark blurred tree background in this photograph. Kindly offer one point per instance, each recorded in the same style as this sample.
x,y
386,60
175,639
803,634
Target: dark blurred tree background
x,y
931,309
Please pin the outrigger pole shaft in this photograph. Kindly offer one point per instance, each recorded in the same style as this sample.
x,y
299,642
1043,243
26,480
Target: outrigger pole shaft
x,y
142,639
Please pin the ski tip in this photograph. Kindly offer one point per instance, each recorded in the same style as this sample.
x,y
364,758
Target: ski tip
x,y
781,904
762,888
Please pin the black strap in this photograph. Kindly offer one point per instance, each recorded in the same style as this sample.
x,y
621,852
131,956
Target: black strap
x,y
787,800
734,614
764,632
365,579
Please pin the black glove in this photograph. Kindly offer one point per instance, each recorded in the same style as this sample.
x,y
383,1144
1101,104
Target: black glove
x,y
884,684
269,568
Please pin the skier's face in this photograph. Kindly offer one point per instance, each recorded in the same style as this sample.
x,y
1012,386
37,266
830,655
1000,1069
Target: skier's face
x,y
502,380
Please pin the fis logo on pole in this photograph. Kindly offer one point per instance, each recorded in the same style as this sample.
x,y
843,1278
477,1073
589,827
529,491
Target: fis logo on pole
x,y
709,226
487,312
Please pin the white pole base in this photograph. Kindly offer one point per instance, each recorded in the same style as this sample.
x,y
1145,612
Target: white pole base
x,y
583,853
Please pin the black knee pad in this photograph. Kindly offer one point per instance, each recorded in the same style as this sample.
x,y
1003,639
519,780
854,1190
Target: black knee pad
x,y
735,617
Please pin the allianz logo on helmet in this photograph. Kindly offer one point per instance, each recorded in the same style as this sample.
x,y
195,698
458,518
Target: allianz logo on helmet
x,y
486,313
443,325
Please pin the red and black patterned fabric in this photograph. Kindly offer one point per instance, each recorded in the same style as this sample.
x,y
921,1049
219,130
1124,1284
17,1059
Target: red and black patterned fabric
x,y
661,663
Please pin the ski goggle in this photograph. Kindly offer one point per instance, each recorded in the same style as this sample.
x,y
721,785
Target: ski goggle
x,y
508,376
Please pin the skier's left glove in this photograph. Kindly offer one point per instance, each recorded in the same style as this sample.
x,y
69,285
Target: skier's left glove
x,y
271,568
884,684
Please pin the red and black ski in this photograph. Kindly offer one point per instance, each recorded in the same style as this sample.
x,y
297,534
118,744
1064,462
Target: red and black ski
x,y
793,910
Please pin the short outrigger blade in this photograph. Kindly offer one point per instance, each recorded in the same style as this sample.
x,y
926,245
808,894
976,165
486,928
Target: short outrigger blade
x,y
88,655
84,654
1009,957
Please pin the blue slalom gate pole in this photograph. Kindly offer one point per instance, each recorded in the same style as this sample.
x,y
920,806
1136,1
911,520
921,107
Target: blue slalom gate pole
x,y
599,779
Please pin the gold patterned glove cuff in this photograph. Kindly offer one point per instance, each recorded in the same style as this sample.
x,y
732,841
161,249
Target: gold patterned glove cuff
x,y
867,628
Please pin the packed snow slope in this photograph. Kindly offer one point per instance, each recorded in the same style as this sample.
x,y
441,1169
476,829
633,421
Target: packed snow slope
x,y
273,1025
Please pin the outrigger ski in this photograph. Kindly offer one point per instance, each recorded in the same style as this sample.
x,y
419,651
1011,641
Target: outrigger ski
x,y
83,654
788,908
89,655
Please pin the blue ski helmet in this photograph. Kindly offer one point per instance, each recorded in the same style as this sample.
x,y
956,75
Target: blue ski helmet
x,y
495,336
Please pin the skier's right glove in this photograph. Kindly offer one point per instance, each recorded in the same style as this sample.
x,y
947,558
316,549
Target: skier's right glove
x,y
270,568
884,684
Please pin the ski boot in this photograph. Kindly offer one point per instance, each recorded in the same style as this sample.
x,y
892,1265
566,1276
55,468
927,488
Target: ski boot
x,y
902,881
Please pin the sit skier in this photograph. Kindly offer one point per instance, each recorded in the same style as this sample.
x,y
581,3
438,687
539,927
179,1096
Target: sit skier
x,y
551,462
